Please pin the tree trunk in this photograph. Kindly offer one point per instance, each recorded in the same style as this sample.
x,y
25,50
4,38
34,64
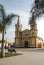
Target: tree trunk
x,y
2,46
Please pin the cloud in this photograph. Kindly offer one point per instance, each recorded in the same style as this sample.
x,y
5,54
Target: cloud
x,y
40,26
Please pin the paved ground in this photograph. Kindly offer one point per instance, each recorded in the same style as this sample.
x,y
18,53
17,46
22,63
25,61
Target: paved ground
x,y
29,57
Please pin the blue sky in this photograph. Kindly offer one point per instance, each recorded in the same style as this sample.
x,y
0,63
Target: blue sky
x,y
24,5
22,8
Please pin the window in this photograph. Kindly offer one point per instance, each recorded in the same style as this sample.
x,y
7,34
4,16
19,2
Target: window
x,y
26,35
32,33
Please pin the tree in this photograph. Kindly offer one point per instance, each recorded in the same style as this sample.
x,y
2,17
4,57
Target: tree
x,y
38,8
5,20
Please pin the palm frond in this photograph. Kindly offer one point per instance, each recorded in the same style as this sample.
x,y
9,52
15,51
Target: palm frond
x,y
38,7
1,28
2,11
8,19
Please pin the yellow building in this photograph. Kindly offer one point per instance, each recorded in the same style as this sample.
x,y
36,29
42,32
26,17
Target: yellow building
x,y
26,38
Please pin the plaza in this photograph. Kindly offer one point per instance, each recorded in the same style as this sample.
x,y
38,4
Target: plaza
x,y
25,35
30,56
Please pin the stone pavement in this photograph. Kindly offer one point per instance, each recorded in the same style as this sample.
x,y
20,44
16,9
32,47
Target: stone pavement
x,y
28,58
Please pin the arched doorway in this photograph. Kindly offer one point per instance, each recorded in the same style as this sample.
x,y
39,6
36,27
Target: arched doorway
x,y
26,44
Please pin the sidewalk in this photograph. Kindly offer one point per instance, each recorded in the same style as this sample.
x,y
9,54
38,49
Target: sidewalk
x,y
28,58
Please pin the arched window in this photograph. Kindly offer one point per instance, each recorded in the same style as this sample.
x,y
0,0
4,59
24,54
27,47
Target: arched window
x,y
32,33
26,35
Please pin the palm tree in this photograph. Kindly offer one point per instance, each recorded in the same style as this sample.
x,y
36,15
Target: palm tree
x,y
38,8
4,22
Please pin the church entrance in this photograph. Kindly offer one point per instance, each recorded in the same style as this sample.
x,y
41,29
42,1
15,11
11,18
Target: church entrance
x,y
26,44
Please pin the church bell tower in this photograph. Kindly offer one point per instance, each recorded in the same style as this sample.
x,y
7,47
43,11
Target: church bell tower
x,y
33,27
18,29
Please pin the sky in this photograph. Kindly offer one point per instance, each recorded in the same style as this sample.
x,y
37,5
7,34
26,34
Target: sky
x,y
22,8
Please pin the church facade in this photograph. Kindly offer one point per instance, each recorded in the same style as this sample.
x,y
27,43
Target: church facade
x,y
27,38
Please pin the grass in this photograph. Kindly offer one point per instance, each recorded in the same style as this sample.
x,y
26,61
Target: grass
x,y
10,54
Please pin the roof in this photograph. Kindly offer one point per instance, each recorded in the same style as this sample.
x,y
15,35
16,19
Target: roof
x,y
26,30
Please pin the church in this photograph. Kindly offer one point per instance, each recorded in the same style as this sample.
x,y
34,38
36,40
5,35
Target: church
x,y
28,37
